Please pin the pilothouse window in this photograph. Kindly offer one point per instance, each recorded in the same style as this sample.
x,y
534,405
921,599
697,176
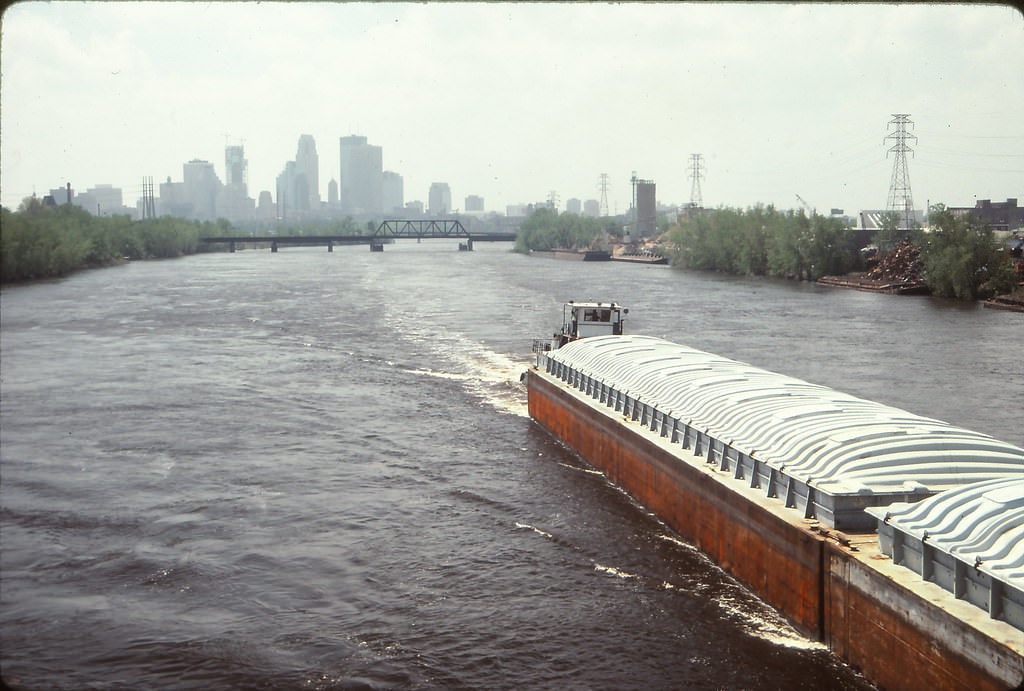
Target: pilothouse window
x,y
597,315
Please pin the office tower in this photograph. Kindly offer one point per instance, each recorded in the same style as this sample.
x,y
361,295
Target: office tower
x,y
474,202
201,188
286,192
440,199
392,192
236,167
307,174
233,202
362,176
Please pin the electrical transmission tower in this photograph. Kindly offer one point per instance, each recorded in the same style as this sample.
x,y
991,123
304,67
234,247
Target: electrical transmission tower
x,y
603,186
696,175
148,199
901,201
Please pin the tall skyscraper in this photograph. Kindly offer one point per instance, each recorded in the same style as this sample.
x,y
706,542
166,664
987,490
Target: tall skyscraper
x,y
440,199
362,176
233,202
307,174
392,196
286,192
236,167
201,188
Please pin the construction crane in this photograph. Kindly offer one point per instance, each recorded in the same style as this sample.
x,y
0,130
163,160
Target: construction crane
x,y
807,207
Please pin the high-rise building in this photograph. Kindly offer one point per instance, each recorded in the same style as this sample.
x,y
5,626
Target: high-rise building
x,y
362,176
592,208
474,202
233,202
307,174
201,188
265,210
440,199
573,206
392,192
298,185
332,193
286,192
236,167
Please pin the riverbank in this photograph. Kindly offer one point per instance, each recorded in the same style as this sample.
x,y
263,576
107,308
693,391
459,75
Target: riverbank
x,y
1012,303
876,285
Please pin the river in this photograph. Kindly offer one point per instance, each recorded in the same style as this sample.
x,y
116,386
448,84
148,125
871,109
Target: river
x,y
315,470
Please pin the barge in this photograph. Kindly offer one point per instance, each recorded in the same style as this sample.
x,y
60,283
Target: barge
x,y
574,254
896,540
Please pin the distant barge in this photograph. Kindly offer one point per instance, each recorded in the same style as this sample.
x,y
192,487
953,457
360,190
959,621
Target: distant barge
x,y
575,255
786,484
640,257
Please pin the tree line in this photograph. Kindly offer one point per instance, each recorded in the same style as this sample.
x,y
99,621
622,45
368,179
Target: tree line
x,y
763,241
962,257
545,230
41,241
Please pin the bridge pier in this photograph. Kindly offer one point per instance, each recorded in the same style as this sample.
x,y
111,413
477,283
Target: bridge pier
x,y
273,246
376,246
330,245
231,247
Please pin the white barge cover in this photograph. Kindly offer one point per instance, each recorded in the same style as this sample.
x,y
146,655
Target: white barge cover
x,y
826,453
969,540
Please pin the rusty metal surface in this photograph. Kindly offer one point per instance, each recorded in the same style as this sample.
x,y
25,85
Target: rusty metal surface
x,y
853,601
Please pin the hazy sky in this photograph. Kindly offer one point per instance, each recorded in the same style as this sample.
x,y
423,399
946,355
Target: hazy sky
x,y
513,101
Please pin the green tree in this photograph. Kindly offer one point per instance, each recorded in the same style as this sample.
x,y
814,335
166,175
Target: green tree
x,y
545,230
962,258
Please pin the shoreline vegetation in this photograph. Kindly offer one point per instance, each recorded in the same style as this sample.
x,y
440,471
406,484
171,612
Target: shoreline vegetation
x,y
42,242
957,257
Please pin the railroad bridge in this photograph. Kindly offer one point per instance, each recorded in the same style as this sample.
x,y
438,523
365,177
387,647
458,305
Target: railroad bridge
x,y
387,230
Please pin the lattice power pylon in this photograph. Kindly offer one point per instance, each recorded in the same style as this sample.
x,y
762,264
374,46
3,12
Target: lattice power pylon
x,y
602,209
901,201
696,175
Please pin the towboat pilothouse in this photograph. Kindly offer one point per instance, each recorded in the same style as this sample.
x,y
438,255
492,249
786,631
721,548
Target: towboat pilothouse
x,y
583,319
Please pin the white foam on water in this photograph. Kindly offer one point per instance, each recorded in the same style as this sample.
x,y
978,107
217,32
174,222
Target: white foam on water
x,y
582,470
612,571
486,374
764,622
527,526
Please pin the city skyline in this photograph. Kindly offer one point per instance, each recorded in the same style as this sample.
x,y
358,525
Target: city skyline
x,y
111,93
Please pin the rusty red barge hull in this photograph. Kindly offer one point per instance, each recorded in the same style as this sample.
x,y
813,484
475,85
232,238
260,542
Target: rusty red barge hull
x,y
900,632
